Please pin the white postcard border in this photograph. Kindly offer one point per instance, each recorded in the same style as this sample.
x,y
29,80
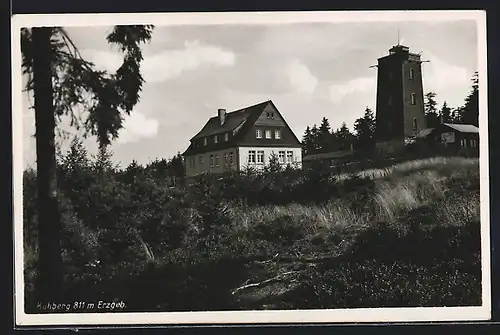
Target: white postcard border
x,y
248,317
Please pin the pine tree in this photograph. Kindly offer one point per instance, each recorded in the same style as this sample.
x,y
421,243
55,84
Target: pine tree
x,y
470,113
324,136
307,142
445,114
344,137
315,138
364,128
431,115
60,79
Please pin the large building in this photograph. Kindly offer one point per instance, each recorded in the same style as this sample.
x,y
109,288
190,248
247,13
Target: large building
x,y
247,137
400,113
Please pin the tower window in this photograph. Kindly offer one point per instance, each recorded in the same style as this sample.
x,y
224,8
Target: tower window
x,y
413,101
411,74
415,124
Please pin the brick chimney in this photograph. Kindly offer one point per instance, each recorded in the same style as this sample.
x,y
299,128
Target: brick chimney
x,y
222,116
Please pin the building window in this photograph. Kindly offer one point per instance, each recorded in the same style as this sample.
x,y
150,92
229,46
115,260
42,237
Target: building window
x,y
411,74
201,160
413,100
289,156
231,158
277,134
415,126
473,143
216,139
268,134
281,156
251,157
260,157
226,137
270,115
216,160
211,160
205,141
463,143
258,133
226,158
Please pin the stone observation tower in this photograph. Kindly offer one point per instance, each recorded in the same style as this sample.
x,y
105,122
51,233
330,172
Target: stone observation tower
x,y
400,111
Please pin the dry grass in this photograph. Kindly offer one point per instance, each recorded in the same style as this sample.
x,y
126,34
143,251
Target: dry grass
x,y
442,164
399,190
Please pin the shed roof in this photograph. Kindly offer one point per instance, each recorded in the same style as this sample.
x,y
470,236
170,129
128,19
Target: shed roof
x,y
329,155
463,128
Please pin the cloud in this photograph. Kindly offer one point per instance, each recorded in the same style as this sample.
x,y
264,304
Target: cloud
x,y
169,64
439,75
136,127
301,78
358,85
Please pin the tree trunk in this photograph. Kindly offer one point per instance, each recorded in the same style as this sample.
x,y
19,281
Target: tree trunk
x,y
50,275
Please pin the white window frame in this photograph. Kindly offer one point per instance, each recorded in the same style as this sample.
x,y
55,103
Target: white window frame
x,y
414,124
260,157
226,158
205,141
281,156
216,139
289,156
411,74
258,133
212,161
252,157
268,134
231,158
226,137
277,134
216,159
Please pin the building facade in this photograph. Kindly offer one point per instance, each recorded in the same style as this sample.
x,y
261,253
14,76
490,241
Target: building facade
x,y
458,139
245,138
400,113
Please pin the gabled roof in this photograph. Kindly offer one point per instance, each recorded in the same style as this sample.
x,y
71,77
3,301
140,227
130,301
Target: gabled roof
x,y
463,128
238,123
232,120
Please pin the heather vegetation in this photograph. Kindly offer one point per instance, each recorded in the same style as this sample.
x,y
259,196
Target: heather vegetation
x,y
406,235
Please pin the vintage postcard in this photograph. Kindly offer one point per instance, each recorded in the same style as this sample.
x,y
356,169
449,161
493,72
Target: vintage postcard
x,y
258,167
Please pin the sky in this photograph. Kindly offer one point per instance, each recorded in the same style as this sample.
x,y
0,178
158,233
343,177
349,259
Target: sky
x,y
309,71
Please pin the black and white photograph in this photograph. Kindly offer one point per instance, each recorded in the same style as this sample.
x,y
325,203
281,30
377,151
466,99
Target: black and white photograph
x,y
258,167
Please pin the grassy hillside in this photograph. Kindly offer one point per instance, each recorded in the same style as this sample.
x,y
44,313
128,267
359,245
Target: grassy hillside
x,y
408,235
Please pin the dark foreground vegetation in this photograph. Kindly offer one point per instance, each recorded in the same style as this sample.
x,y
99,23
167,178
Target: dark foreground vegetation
x,y
407,235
